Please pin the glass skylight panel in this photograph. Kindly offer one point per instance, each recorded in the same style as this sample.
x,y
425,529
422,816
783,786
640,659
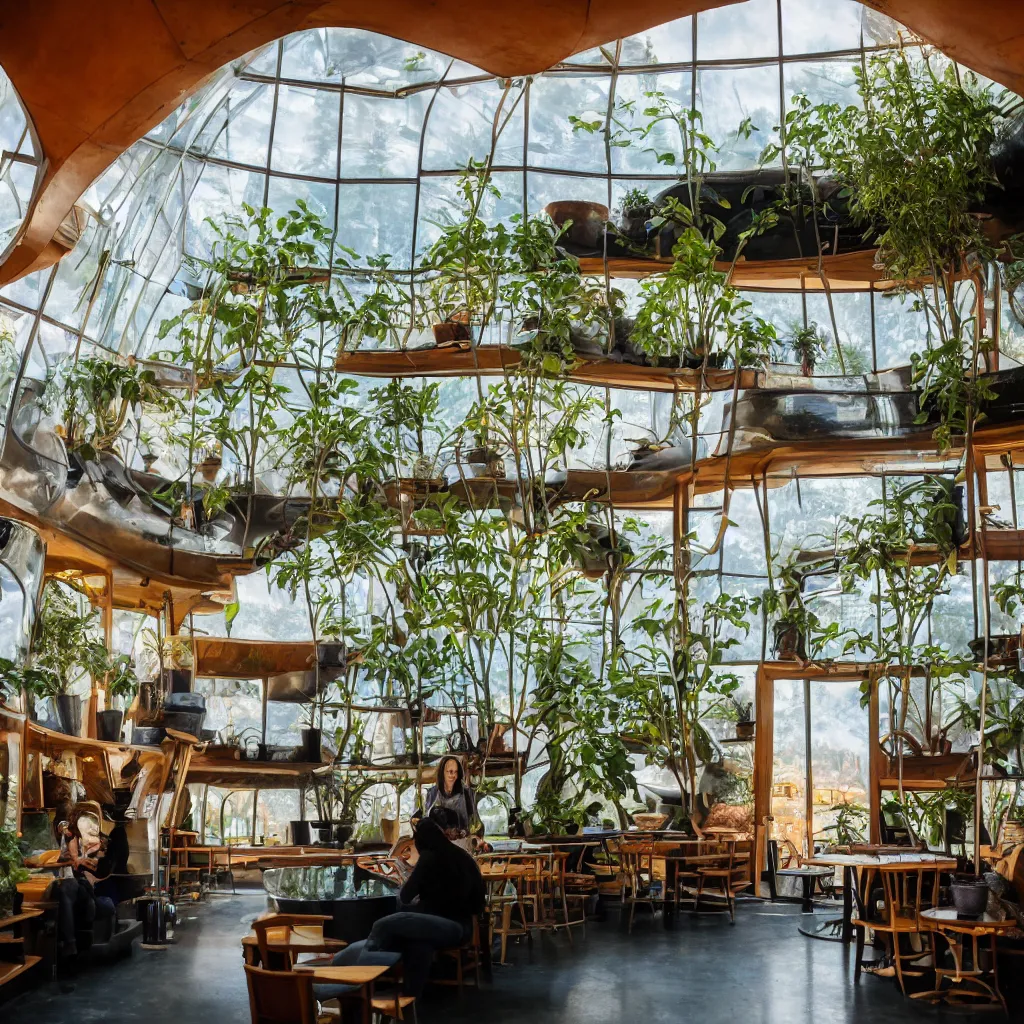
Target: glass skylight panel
x,y
821,26
552,141
382,136
461,123
240,130
728,97
641,155
671,43
738,31
377,218
830,81
306,132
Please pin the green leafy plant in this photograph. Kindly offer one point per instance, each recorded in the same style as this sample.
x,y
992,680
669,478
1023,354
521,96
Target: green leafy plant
x,y
809,343
851,820
12,870
99,396
913,162
635,199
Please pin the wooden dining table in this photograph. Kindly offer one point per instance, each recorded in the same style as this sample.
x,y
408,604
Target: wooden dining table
x,y
840,929
298,939
363,976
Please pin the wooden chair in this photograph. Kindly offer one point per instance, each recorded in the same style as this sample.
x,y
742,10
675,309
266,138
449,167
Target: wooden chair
x,y
280,997
467,957
274,930
906,890
503,881
681,873
728,873
636,862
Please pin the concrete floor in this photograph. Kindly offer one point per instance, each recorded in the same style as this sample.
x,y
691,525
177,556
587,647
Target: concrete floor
x,y
761,971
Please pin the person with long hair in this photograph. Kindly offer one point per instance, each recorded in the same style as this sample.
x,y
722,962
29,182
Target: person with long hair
x,y
452,792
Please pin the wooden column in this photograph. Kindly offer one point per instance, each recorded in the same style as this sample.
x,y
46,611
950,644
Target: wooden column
x,y
877,764
764,746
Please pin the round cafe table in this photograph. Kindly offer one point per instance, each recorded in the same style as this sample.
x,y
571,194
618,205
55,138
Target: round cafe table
x,y
961,984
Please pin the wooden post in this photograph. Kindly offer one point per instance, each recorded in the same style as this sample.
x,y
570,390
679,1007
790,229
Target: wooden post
x,y
877,764
764,744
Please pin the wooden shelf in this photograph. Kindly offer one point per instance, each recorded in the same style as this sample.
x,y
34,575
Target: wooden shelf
x,y
225,658
850,272
25,915
1002,545
428,362
490,360
8,972
249,774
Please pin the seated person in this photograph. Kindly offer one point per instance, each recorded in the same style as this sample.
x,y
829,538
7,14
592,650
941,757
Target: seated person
x,y
448,821
76,903
440,899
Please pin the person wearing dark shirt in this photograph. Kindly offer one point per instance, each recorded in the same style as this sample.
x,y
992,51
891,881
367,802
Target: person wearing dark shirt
x,y
440,899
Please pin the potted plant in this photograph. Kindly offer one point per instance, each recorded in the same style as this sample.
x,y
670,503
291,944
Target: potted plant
x,y
12,871
122,685
582,224
64,648
636,210
793,623
745,723
809,344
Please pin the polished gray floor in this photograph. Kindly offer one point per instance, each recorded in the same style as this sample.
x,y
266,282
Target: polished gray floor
x,y
760,971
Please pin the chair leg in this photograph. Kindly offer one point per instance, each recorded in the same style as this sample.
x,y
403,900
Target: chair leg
x,y
859,959
899,962
506,924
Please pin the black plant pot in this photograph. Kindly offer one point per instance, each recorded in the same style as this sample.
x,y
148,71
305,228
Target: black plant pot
x,y
108,725
300,833
311,746
69,712
343,833
745,730
970,898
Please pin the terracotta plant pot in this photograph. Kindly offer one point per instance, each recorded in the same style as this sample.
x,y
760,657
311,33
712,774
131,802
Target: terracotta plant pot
x,y
588,222
449,331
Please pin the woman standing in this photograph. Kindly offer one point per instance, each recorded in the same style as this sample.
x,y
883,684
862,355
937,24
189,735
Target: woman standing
x,y
452,792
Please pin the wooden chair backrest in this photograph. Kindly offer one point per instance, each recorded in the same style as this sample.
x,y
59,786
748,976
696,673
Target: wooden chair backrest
x,y
280,997
277,927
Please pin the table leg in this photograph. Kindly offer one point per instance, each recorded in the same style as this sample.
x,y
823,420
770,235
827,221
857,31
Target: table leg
x,y
847,904
668,914
806,906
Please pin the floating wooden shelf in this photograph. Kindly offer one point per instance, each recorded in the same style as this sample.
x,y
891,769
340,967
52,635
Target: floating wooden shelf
x,y
489,360
850,272
8,972
226,658
249,774
1002,545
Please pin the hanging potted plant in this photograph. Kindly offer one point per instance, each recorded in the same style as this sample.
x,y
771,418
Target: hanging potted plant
x,y
785,601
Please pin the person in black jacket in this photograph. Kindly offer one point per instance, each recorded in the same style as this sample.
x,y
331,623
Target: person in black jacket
x,y
440,899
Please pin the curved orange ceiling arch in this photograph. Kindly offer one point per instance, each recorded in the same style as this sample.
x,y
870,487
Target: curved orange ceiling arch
x,y
94,78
